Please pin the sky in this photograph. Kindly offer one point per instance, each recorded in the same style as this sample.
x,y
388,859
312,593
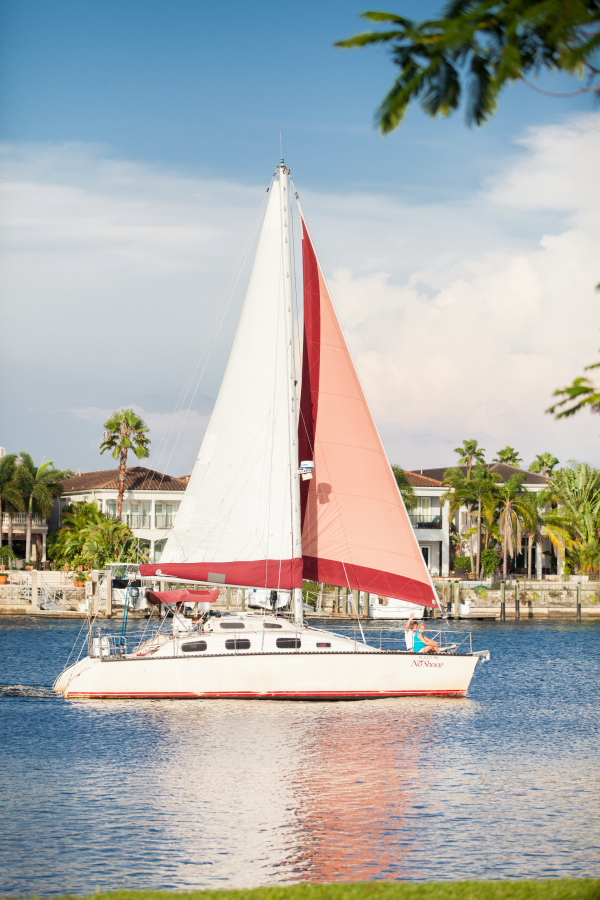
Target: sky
x,y
137,140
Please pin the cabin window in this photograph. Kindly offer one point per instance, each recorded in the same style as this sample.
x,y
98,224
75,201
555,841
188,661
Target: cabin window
x,y
239,644
272,625
194,647
237,626
323,645
288,643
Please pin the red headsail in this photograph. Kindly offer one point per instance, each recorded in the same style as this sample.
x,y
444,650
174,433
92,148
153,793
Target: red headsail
x,y
355,528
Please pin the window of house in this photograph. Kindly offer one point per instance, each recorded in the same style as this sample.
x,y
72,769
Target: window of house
x,y
165,514
111,508
137,513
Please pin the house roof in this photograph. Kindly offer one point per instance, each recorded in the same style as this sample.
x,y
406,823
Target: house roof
x,y
501,469
137,478
418,480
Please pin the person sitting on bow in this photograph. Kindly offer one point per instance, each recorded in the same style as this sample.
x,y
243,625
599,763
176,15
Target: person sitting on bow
x,y
423,644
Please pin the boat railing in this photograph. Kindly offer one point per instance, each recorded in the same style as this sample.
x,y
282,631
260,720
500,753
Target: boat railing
x,y
104,646
449,641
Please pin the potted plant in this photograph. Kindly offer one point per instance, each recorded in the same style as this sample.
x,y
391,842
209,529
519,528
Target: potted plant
x,y
6,554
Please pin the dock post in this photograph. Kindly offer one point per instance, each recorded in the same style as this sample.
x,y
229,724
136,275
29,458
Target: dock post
x,y
243,599
517,601
34,589
503,602
109,597
367,607
228,597
338,600
355,603
456,600
579,602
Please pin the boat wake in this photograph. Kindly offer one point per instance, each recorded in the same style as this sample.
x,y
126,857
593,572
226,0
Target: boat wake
x,y
27,690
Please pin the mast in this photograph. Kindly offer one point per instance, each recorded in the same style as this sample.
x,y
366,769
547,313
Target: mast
x,y
287,272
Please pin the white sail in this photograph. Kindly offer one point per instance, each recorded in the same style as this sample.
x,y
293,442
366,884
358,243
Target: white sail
x,y
237,505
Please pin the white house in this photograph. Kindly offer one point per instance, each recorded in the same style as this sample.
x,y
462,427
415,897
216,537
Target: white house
x,y
150,502
431,522
543,560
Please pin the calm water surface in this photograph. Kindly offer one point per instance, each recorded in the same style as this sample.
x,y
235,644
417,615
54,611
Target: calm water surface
x,y
195,794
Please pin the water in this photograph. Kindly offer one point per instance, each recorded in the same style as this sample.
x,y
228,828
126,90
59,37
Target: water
x,y
213,794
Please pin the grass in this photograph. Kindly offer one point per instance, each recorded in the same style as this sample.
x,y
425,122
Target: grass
x,y
554,889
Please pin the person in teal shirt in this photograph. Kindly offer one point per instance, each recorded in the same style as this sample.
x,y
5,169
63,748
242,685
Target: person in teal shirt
x,y
423,644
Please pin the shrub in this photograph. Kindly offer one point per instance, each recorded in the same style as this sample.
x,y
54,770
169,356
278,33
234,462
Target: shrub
x,y
462,562
490,560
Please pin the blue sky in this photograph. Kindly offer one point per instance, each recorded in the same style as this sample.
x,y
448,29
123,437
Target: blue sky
x,y
138,138
207,87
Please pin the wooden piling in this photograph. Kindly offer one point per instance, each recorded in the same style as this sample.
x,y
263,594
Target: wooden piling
x,y
579,602
109,596
517,602
503,602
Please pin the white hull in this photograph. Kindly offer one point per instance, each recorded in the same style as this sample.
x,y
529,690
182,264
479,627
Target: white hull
x,y
281,676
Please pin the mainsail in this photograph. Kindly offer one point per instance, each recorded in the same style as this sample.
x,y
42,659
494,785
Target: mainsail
x,y
239,521
235,522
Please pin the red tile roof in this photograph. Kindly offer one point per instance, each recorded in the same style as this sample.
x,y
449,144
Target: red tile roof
x,y
501,469
137,478
418,480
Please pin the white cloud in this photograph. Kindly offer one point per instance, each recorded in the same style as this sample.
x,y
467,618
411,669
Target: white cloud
x,y
463,317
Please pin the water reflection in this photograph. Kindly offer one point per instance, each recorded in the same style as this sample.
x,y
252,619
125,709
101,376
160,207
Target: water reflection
x,y
196,794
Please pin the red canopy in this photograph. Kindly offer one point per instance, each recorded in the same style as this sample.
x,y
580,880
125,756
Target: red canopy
x,y
182,596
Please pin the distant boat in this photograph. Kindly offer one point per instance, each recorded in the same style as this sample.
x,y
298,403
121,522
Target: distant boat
x,y
291,483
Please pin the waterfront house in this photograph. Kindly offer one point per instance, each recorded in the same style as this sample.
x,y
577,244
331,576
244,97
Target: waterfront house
x,y
431,522
150,502
544,560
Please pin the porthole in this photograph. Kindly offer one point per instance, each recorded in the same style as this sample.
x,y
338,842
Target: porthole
x,y
237,644
288,643
232,626
272,625
323,645
194,647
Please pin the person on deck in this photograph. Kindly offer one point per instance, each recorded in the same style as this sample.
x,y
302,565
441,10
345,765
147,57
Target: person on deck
x,y
423,644
409,632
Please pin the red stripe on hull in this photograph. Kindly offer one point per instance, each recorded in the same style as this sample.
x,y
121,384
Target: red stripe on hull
x,y
263,573
360,578
271,695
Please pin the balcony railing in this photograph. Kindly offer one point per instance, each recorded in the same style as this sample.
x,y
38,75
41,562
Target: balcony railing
x,y
164,521
21,519
426,521
137,521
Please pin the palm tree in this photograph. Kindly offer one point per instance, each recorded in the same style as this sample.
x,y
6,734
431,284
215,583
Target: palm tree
x,y
576,491
509,457
472,493
38,488
125,431
544,463
510,515
10,495
405,487
469,453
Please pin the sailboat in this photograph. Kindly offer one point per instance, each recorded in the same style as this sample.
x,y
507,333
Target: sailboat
x,y
291,483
